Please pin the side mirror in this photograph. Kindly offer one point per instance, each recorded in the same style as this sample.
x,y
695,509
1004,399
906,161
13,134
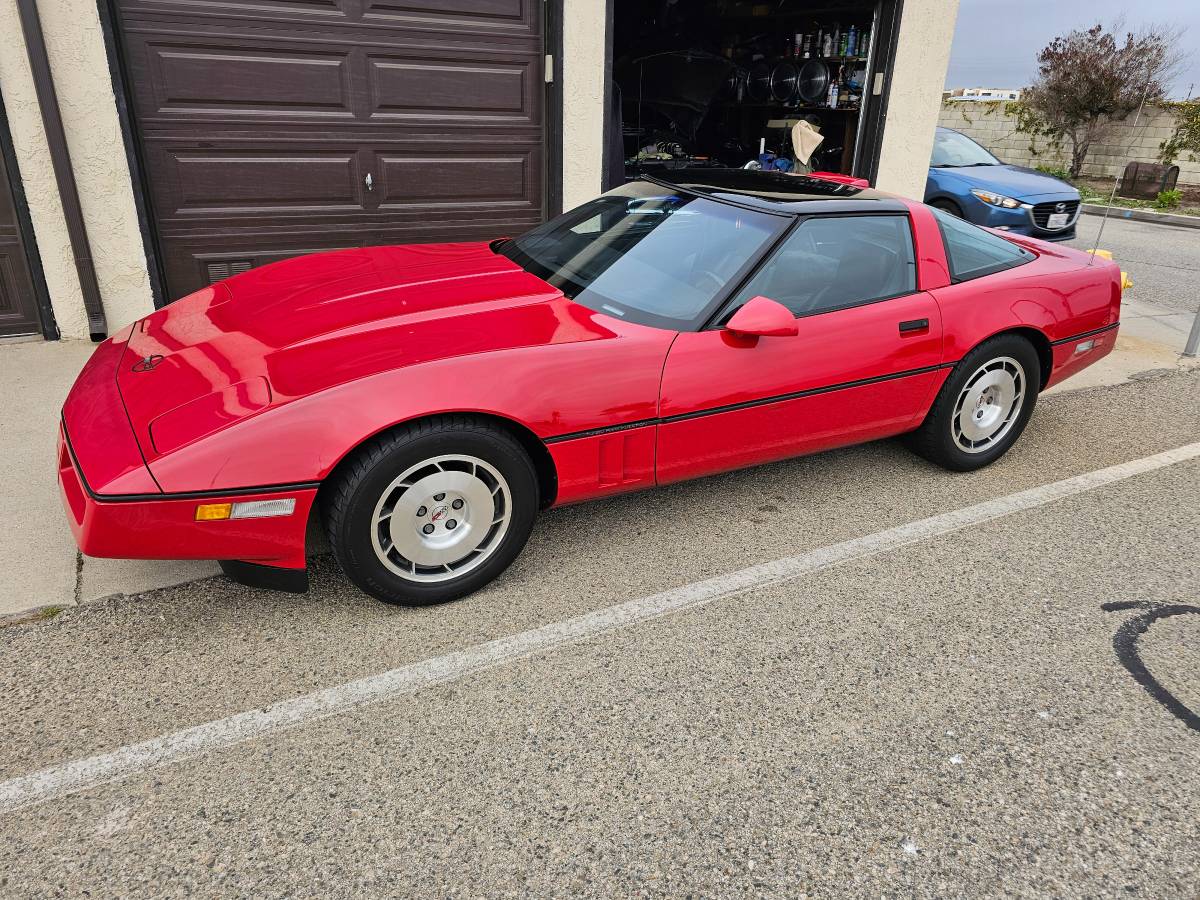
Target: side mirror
x,y
763,317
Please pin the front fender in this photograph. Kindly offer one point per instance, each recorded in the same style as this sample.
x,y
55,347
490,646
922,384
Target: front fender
x,y
550,390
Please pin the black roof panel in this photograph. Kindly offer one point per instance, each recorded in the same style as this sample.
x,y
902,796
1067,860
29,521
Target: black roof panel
x,y
777,191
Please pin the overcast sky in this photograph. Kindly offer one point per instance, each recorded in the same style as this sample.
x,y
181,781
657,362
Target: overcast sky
x,y
996,42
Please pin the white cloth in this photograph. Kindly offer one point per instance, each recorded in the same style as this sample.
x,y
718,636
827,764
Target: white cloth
x,y
805,140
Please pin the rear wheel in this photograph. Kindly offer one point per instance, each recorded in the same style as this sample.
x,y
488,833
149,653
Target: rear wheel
x,y
983,407
431,512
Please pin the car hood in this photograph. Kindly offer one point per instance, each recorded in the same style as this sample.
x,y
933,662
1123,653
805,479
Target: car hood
x,y
297,327
1017,182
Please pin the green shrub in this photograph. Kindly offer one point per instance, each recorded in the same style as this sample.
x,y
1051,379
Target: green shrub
x,y
1055,172
1168,199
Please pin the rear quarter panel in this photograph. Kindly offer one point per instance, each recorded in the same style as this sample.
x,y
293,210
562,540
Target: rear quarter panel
x,y
1058,294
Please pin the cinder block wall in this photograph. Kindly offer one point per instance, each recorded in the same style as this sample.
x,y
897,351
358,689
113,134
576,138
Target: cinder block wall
x,y
988,124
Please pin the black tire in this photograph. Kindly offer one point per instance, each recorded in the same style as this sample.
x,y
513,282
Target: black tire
x,y
947,206
936,438
349,503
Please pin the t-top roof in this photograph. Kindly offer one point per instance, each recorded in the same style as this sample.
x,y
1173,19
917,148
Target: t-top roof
x,y
777,191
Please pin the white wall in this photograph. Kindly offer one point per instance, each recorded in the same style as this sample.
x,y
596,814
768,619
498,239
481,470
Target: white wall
x,y
583,100
915,99
992,126
85,97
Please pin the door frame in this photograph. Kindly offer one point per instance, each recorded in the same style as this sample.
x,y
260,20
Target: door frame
x,y
43,309
552,26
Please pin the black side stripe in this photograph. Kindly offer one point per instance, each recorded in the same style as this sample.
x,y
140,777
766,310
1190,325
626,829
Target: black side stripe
x,y
1085,334
747,404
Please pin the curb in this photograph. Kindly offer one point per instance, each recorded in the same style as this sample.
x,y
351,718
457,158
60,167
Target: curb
x,y
1143,215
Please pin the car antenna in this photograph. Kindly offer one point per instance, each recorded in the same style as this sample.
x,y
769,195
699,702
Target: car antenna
x,y
1117,178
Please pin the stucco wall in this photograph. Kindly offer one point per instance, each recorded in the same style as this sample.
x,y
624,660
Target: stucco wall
x,y
80,67
991,126
583,100
914,101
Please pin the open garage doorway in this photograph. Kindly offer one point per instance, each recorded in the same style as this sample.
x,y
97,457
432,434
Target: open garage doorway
x,y
722,83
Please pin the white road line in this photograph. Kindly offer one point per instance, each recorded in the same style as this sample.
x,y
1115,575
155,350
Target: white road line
x,y
79,774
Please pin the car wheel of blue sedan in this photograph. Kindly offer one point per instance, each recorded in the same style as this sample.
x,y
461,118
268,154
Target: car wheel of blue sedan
x,y
948,206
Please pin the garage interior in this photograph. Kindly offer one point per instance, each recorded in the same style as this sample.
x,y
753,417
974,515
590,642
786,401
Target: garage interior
x,y
705,83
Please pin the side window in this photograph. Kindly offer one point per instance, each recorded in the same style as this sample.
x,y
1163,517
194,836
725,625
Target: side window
x,y
831,262
973,252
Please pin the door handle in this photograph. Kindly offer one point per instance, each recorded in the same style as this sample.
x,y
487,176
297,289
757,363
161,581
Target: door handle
x,y
914,325
369,182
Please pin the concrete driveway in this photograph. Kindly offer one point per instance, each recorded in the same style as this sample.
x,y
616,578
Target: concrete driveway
x,y
39,564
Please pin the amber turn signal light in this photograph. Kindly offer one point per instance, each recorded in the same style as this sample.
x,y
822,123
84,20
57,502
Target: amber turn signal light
x,y
211,512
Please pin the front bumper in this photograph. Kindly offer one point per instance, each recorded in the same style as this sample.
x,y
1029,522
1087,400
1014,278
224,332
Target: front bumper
x,y
164,526
1020,221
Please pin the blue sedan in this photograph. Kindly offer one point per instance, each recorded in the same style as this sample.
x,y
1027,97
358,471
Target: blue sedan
x,y
966,180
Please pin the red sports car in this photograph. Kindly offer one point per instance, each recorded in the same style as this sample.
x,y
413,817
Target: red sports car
x,y
422,403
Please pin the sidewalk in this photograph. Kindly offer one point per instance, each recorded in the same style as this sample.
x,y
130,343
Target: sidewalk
x,y
39,564
40,567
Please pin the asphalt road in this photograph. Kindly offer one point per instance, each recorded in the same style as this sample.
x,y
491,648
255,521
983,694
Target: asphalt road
x,y
1164,262
957,716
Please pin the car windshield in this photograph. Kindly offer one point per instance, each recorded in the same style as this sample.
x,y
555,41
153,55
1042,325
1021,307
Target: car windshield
x,y
647,253
954,150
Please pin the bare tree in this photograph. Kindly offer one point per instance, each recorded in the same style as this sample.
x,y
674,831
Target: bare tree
x,y
1087,80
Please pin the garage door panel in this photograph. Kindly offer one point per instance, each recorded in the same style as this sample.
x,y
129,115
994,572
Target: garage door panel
x,y
447,90
12,307
265,182
459,179
276,10
516,15
230,81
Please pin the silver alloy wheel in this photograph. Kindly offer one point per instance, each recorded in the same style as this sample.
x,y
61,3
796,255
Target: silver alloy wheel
x,y
441,518
988,405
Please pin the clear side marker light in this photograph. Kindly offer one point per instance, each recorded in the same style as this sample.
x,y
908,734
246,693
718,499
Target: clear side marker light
x,y
1085,346
263,509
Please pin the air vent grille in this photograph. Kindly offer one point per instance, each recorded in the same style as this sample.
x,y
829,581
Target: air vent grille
x,y
227,268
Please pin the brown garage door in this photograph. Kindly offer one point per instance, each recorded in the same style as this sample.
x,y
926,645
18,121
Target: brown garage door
x,y
271,128
18,307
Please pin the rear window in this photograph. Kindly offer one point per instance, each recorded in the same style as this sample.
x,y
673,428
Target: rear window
x,y
973,252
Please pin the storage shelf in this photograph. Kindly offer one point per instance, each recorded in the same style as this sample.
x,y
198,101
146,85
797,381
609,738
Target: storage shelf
x,y
783,107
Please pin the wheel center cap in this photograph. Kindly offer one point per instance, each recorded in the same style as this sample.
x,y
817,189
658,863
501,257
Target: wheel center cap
x,y
439,513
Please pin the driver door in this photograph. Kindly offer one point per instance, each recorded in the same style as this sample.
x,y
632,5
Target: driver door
x,y
864,365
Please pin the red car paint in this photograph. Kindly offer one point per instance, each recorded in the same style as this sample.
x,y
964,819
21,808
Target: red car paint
x,y
259,386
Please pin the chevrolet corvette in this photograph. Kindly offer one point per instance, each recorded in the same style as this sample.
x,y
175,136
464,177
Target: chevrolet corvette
x,y
422,403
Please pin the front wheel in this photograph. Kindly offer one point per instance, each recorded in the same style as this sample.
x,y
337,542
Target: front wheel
x,y
948,206
431,512
983,407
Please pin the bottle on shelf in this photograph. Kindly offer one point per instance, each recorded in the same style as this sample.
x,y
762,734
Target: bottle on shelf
x,y
833,94
852,41
827,44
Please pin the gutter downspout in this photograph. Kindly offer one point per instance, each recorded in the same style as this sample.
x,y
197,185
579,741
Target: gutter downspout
x,y
64,174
